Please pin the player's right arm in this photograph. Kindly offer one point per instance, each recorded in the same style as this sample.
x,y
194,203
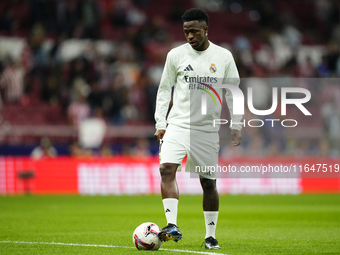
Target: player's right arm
x,y
159,134
164,96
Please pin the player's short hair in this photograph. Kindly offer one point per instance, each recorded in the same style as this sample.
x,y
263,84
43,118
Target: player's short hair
x,y
195,14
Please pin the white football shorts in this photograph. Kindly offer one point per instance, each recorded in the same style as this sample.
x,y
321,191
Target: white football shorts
x,y
201,149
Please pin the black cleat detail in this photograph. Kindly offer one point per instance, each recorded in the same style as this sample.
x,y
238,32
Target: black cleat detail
x,y
211,243
170,232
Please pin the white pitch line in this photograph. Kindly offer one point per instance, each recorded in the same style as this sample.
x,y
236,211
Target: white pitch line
x,y
109,246
69,244
197,252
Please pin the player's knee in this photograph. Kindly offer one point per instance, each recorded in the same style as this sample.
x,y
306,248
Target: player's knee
x,y
208,184
167,171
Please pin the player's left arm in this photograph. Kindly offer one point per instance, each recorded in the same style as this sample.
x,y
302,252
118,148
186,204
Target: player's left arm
x,y
236,137
232,77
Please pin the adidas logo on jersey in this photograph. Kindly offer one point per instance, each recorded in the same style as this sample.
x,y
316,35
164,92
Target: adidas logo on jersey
x,y
189,68
211,223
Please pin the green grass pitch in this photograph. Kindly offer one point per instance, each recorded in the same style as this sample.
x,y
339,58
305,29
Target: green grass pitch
x,y
248,224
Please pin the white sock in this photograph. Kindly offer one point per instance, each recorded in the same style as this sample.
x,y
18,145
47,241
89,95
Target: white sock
x,y
210,223
170,209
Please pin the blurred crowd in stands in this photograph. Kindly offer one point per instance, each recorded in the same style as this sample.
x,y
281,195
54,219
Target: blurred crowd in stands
x,y
276,38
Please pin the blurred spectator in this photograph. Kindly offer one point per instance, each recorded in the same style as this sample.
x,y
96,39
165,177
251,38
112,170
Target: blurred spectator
x,y
79,86
129,113
103,73
125,65
43,12
137,100
292,36
150,90
323,148
67,16
268,13
141,149
92,130
96,96
74,149
51,90
322,68
327,12
77,151
55,52
332,57
261,92
156,29
12,81
228,151
302,148
90,18
80,73
39,57
242,43
256,146
136,17
307,69
176,12
106,151
274,148
330,111
78,110
119,12
7,20
44,150
115,100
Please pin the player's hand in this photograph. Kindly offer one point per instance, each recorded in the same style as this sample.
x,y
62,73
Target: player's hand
x,y
159,134
236,137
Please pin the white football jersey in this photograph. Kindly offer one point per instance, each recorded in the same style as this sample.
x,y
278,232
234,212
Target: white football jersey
x,y
193,74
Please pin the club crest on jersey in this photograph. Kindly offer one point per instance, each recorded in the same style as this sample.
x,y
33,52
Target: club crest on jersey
x,y
213,68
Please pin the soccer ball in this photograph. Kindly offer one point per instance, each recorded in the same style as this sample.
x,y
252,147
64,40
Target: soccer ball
x,y
145,236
